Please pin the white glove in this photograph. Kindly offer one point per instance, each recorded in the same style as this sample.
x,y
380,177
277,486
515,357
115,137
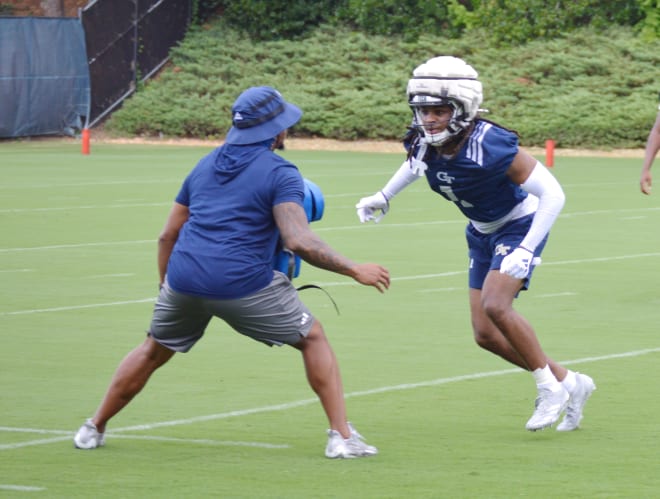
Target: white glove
x,y
517,263
368,207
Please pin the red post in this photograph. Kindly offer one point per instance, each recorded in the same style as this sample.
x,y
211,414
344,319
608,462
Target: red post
x,y
85,141
550,153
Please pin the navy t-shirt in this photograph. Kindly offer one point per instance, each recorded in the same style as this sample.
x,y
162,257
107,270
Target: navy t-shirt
x,y
225,249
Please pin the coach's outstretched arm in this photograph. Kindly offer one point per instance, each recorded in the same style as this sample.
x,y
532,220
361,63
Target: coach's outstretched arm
x,y
298,237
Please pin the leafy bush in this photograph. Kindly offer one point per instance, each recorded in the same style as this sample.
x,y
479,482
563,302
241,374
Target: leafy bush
x,y
203,9
502,21
408,18
650,25
277,19
520,21
586,89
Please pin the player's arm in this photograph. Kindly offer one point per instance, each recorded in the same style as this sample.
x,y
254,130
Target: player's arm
x,y
368,207
536,179
297,236
168,236
533,177
652,148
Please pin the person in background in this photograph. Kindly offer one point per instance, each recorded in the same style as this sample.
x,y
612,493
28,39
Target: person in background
x,y
511,201
652,148
215,259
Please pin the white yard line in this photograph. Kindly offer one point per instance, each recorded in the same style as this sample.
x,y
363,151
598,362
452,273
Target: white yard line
x,y
78,245
77,307
15,211
331,283
319,229
291,405
21,488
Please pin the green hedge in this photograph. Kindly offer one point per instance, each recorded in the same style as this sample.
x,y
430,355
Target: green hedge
x,y
588,89
502,21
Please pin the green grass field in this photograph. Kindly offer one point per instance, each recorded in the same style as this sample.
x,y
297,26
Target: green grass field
x,y
234,419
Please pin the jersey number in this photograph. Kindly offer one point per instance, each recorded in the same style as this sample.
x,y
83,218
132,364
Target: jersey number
x,y
446,190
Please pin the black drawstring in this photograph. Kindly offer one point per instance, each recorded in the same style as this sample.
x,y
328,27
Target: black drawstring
x,y
314,286
291,269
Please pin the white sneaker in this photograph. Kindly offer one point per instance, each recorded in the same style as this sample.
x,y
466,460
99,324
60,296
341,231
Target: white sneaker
x,y
346,448
549,406
88,437
584,387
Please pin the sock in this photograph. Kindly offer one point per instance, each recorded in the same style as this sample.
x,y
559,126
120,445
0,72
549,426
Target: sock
x,y
570,381
544,378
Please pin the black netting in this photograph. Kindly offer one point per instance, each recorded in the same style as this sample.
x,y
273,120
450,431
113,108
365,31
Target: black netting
x,y
128,40
110,36
163,27
105,23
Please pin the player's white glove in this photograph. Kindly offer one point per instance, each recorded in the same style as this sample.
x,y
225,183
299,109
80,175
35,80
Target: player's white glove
x,y
518,262
368,208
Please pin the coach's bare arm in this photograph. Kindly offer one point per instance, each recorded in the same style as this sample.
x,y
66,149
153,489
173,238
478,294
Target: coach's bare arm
x,y
298,237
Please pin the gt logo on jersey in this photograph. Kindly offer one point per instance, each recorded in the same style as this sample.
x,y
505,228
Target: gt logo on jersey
x,y
444,177
502,249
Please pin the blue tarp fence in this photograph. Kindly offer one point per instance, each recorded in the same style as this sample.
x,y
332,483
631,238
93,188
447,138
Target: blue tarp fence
x,y
44,76
60,75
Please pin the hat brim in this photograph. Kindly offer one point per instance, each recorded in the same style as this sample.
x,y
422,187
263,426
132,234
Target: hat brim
x,y
264,131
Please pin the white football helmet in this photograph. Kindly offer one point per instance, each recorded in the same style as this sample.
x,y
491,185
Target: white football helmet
x,y
445,81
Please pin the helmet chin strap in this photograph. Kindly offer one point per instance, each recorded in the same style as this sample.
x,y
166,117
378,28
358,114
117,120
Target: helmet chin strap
x,y
438,139
452,127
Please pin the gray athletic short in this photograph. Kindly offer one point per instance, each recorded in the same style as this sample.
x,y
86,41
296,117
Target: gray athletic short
x,y
273,315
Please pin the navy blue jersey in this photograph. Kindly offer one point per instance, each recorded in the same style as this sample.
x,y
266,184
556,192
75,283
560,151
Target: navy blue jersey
x,y
475,179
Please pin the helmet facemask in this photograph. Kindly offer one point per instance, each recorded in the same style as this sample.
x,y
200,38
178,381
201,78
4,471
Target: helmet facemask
x,y
445,81
454,126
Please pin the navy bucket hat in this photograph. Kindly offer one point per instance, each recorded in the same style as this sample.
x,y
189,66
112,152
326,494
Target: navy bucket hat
x,y
260,113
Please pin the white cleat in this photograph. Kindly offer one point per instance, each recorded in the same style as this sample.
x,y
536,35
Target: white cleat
x,y
88,437
549,406
346,448
584,387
